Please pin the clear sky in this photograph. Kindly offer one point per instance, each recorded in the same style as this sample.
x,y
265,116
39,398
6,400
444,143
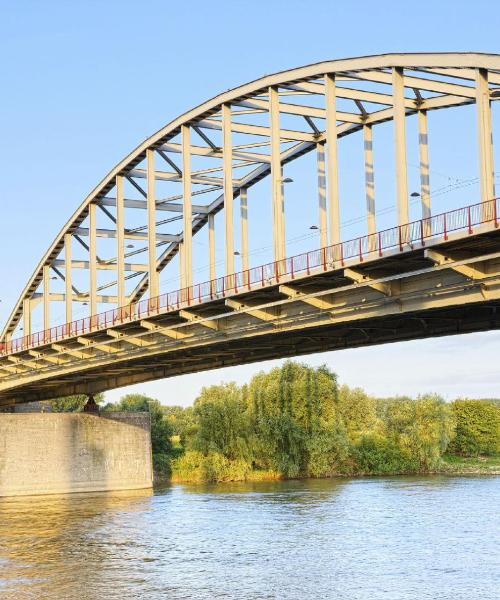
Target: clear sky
x,y
84,82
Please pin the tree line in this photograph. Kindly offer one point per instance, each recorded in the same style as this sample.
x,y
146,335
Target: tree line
x,y
296,421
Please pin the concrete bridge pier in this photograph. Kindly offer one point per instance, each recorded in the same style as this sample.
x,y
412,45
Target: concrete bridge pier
x,y
62,453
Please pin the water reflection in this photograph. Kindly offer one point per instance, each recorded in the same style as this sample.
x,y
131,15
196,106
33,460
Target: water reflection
x,y
47,542
377,538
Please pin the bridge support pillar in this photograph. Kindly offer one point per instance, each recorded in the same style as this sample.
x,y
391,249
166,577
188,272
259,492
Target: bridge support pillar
x,y
91,407
61,453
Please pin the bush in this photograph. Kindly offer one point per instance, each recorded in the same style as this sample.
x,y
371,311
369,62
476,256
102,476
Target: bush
x,y
197,467
378,455
328,454
477,428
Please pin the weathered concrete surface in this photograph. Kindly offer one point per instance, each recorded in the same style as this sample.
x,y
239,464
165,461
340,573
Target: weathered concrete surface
x,y
65,453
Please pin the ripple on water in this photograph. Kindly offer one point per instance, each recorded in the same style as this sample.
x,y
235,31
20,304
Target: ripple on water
x,y
376,538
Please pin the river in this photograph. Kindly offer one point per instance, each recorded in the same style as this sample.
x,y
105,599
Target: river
x,y
346,539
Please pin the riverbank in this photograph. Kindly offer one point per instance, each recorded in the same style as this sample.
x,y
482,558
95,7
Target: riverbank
x,y
481,465
450,465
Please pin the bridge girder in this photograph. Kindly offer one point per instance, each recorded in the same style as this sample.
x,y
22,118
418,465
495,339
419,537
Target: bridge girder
x,y
326,310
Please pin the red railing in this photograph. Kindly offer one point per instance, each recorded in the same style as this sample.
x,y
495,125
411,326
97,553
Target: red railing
x,y
400,237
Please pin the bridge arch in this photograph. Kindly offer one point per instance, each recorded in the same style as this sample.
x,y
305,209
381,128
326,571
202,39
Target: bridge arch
x,y
242,136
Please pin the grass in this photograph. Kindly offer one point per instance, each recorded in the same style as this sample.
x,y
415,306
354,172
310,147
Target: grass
x,y
473,465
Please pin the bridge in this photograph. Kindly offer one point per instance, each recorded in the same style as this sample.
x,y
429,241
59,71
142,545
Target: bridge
x,y
428,274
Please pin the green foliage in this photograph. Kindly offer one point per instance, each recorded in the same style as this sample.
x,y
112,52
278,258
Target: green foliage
x,y
477,428
214,466
328,454
294,421
183,422
223,424
358,411
73,403
377,455
420,428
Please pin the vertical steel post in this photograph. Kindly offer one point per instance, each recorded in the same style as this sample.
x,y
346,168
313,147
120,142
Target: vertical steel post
x,y
68,272
369,181
46,297
486,175
244,228
27,317
92,259
120,241
425,189
332,159
187,206
227,154
151,209
276,183
400,145
182,270
423,145
211,246
322,219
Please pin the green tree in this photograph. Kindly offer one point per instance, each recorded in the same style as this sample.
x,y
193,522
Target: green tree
x,y
420,428
223,423
293,412
477,428
358,411
183,422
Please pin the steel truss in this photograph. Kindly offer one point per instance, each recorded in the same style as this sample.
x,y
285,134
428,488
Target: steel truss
x,y
218,151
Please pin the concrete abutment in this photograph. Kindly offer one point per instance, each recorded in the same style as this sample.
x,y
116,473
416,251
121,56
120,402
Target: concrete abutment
x,y
61,453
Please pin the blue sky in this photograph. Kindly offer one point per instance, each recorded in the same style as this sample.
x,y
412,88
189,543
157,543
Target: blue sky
x,y
84,82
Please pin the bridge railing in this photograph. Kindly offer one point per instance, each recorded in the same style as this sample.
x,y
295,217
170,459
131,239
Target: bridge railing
x,y
401,237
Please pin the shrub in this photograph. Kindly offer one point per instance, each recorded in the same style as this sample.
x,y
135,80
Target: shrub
x,y
196,467
378,455
477,428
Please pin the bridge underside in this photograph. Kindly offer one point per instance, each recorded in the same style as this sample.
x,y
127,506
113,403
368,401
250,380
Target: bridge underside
x,y
449,287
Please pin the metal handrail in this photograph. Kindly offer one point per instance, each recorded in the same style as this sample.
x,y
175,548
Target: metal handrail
x,y
322,259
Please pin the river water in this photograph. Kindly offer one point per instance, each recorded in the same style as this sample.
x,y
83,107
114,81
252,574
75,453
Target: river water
x,y
377,538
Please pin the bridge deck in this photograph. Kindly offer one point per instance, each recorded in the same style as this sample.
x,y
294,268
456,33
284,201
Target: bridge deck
x,y
443,284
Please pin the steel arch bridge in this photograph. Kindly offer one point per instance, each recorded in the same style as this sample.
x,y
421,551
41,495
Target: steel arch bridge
x,y
436,275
